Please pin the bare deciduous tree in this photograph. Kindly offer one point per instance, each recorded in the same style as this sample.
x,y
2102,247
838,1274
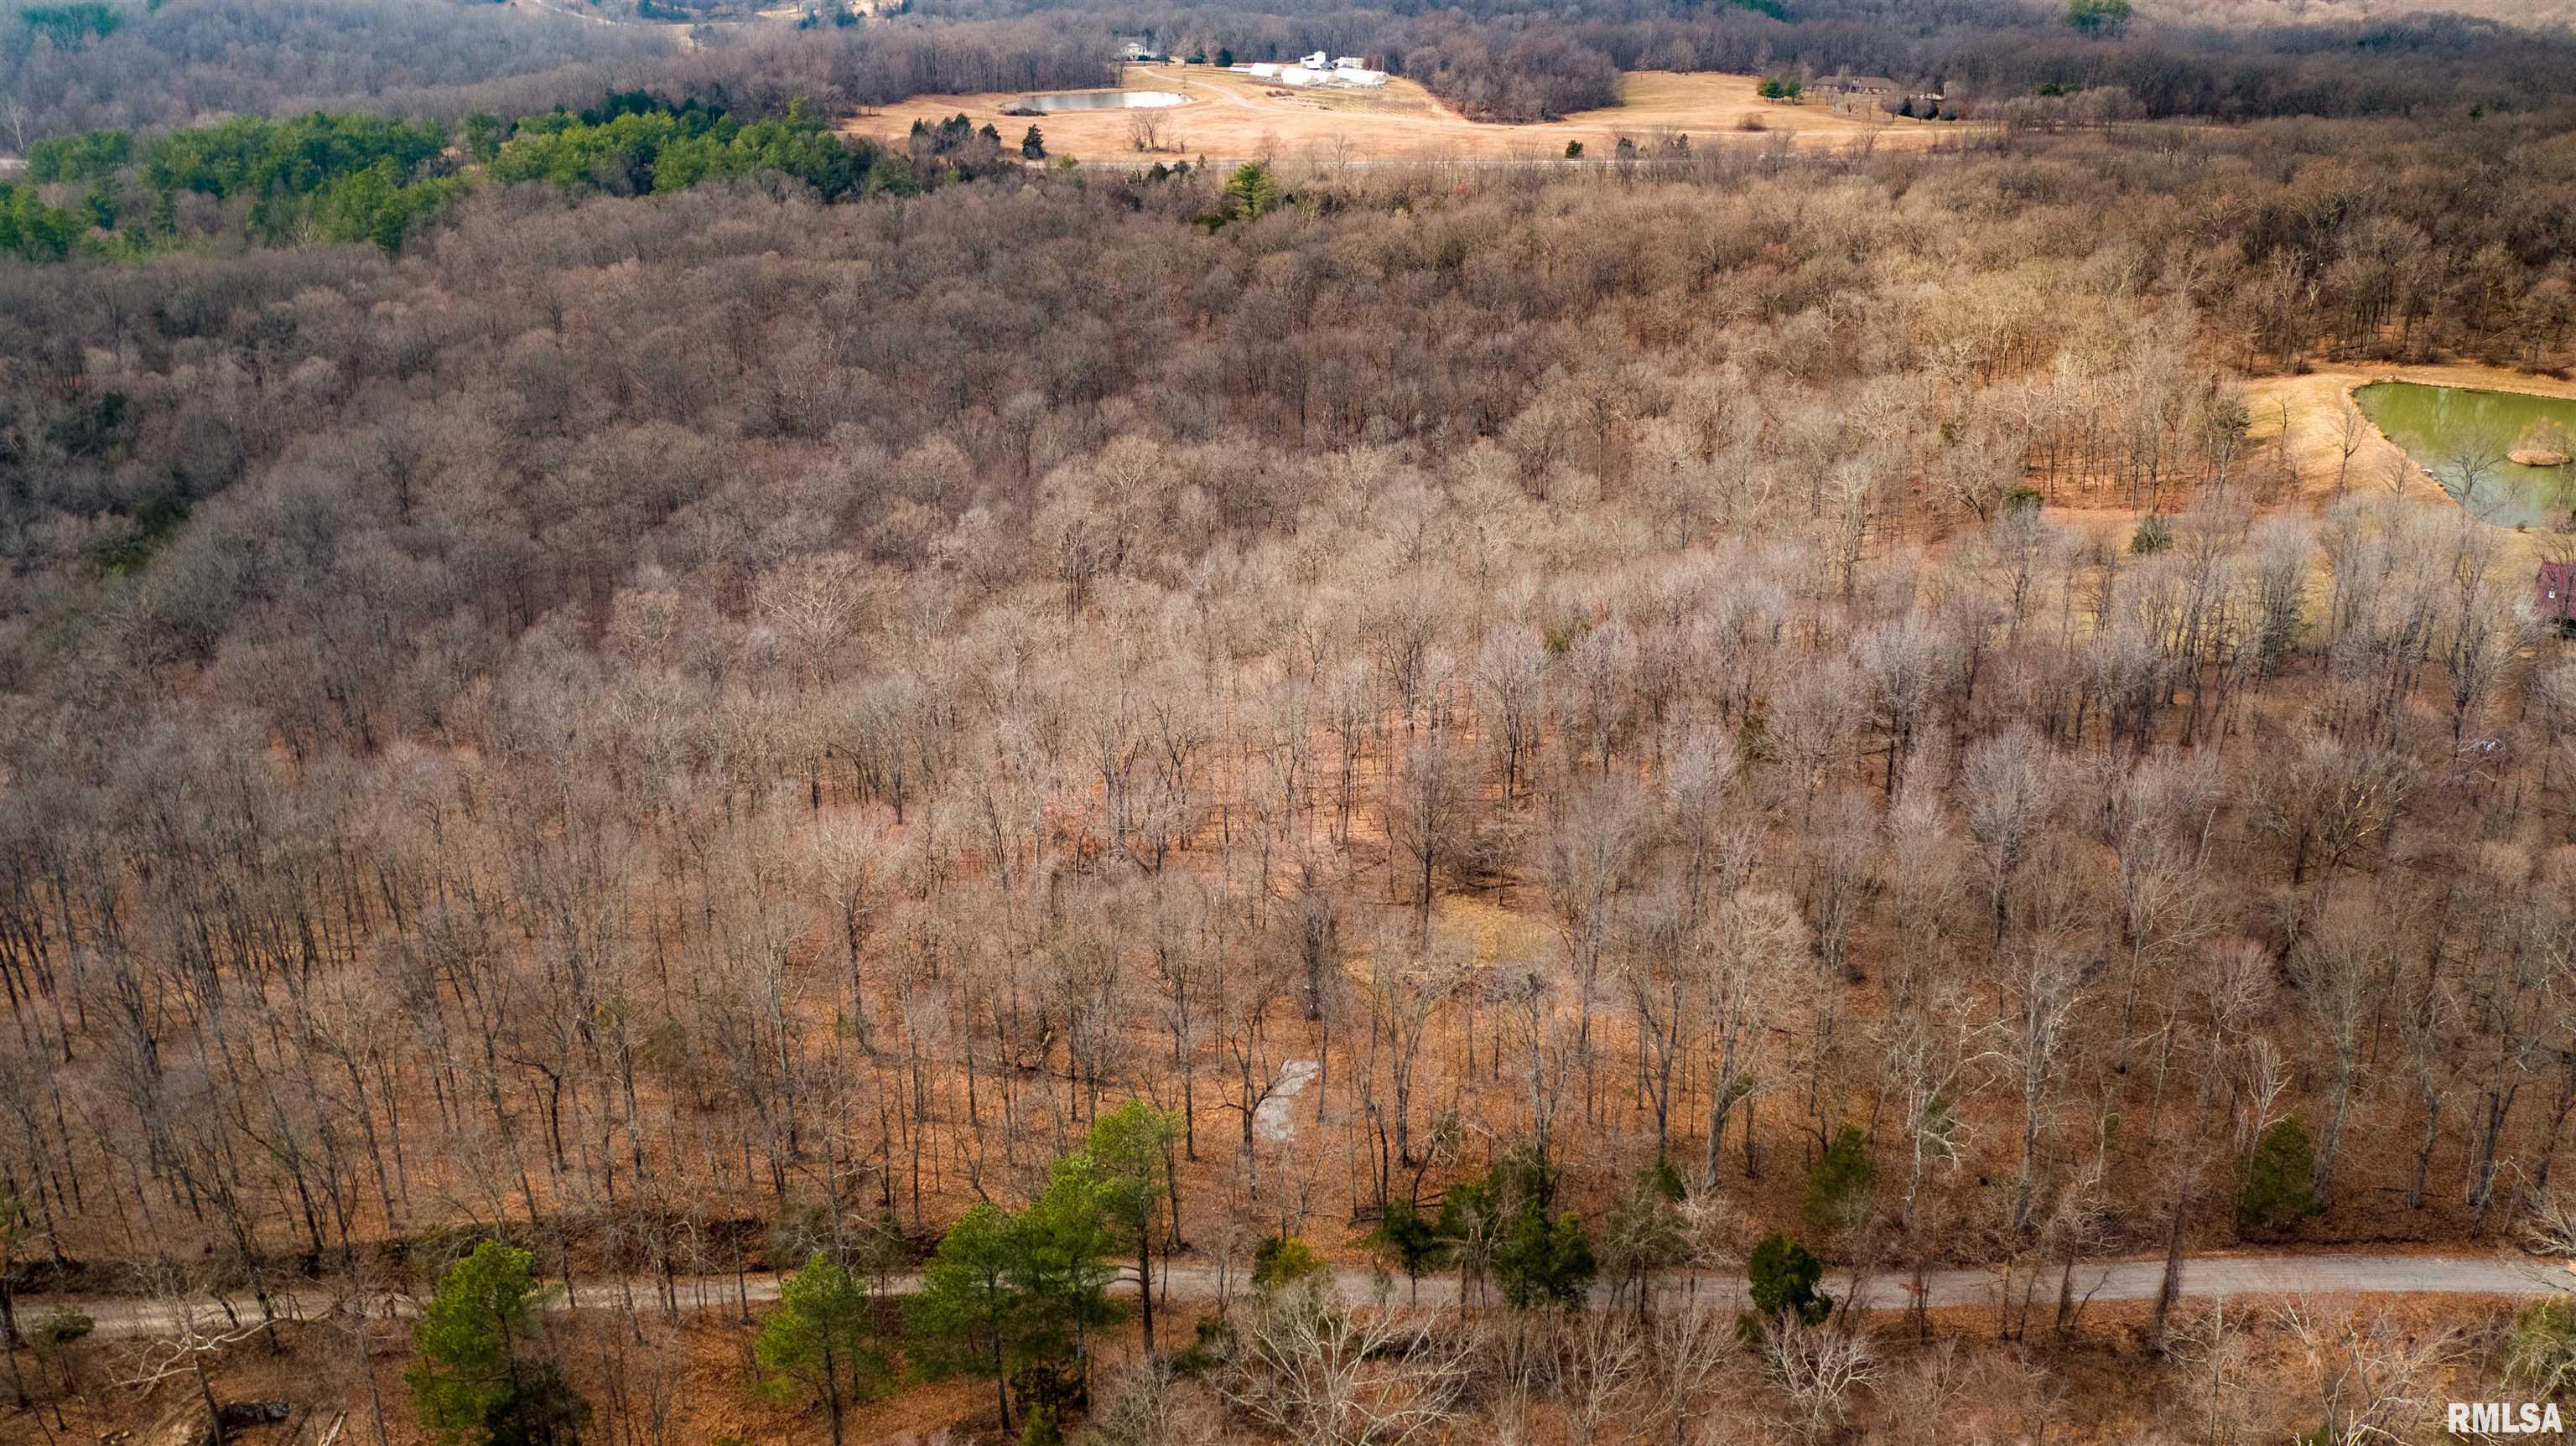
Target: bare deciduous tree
x,y
1821,1371
1319,1373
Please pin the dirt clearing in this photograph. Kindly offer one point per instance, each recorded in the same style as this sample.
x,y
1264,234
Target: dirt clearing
x,y
2312,407
2305,415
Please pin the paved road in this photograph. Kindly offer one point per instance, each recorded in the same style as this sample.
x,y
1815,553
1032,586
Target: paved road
x,y
2205,1276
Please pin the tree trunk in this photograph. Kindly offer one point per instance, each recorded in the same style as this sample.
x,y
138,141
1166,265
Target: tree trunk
x,y
2169,1289
1001,1388
832,1393
1145,1277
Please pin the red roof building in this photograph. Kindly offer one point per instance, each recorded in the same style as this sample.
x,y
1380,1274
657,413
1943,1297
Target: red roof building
x,y
2553,593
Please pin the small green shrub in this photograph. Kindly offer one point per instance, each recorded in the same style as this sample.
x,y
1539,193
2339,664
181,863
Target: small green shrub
x,y
2098,17
1781,1277
2540,1355
1838,1184
1279,1261
2280,1188
61,1325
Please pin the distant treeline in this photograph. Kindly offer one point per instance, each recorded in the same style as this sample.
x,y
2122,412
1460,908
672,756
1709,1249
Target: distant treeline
x,y
440,60
353,177
1512,60
69,69
169,64
324,177
638,144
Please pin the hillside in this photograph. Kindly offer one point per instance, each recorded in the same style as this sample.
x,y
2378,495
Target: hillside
x,y
688,757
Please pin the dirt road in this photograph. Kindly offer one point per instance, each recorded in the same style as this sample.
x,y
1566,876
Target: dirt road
x,y
2274,1276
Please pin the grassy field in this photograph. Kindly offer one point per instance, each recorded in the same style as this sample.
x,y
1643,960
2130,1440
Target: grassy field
x,y
1234,117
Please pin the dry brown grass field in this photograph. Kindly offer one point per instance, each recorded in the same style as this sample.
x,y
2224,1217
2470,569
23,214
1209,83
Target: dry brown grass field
x,y
1236,117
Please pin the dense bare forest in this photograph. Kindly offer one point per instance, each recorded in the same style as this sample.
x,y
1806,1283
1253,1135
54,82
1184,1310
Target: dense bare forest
x,y
1541,726
189,60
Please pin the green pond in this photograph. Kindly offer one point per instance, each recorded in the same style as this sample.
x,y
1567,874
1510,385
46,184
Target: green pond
x,y
2460,435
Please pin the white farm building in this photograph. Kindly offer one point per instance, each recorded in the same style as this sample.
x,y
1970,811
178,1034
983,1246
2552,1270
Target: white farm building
x,y
1320,69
